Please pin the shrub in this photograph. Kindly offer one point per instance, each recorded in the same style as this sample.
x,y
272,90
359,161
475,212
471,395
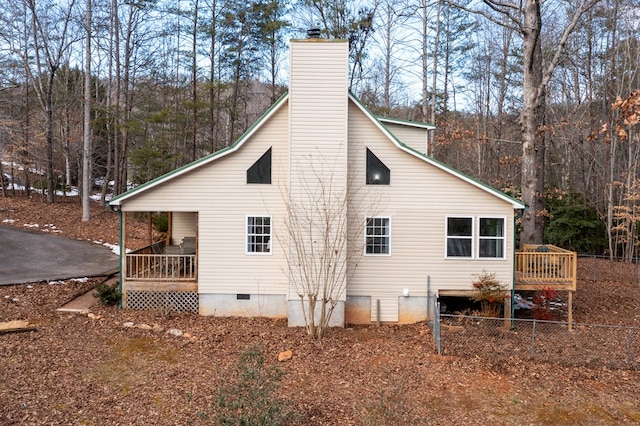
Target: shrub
x,y
542,300
108,294
161,222
490,292
252,399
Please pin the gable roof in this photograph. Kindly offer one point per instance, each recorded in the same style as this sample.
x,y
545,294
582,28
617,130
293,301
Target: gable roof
x,y
516,204
117,201
378,121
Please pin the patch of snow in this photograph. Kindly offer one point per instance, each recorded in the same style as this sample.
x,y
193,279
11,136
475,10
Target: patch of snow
x,y
72,192
29,286
9,221
56,282
97,197
521,303
115,249
80,280
31,225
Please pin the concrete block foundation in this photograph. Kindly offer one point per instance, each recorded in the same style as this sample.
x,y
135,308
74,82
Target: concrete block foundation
x,y
244,305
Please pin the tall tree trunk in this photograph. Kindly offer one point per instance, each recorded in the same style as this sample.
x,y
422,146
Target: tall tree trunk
x,y
115,24
51,187
213,108
86,151
194,83
434,83
532,121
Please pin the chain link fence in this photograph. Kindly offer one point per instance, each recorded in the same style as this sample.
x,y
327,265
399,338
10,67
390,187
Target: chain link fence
x,y
500,340
599,268
433,315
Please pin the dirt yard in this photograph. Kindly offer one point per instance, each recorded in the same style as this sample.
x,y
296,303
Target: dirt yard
x,y
94,370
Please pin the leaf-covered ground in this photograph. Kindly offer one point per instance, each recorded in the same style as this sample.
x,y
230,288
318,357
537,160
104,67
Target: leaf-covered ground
x,y
91,369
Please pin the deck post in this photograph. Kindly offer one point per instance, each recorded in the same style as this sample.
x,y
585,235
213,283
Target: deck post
x,y
123,258
507,312
570,309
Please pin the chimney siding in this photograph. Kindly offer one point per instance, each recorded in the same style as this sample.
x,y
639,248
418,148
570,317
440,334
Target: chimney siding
x,y
318,117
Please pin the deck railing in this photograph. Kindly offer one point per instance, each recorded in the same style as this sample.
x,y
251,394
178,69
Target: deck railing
x,y
161,267
539,266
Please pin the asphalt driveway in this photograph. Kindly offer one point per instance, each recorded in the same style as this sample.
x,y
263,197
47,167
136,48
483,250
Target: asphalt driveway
x,y
30,257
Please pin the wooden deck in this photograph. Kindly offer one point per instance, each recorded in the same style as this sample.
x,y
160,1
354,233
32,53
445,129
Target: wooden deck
x,y
545,266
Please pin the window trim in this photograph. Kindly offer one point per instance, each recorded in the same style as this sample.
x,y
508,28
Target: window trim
x,y
266,156
247,236
476,237
503,238
371,155
387,235
446,236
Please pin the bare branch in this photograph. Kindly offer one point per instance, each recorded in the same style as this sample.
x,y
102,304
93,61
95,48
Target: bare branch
x,y
548,72
516,22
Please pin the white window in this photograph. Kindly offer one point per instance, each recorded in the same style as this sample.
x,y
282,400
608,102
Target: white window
x,y
491,238
482,238
460,237
258,234
378,236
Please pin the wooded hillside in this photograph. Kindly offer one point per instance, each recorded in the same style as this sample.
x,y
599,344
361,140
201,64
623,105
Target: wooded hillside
x,y
538,100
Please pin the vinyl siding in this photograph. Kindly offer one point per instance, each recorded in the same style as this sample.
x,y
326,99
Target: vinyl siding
x,y
418,201
183,224
218,192
318,100
414,137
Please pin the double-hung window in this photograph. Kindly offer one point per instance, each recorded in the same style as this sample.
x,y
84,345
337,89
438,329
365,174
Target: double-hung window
x,y
480,238
491,238
460,237
378,236
259,234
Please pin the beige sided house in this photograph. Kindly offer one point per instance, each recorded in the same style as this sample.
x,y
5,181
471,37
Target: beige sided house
x,y
247,221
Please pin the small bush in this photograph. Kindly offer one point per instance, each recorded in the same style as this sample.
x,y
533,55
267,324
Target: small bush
x,y
108,294
490,292
161,222
542,304
252,399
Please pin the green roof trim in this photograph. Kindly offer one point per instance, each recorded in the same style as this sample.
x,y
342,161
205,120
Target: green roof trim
x,y
379,121
116,201
400,121
517,204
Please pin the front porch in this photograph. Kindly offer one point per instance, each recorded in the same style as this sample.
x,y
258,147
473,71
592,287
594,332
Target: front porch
x,y
164,274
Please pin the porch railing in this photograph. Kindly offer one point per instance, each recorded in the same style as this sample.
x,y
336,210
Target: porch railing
x,y
539,266
161,267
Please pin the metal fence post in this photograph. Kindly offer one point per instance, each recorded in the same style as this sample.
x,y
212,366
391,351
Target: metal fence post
x,y
428,299
436,327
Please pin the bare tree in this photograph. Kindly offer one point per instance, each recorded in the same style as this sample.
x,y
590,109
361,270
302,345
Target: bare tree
x,y
322,241
525,17
50,37
86,151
